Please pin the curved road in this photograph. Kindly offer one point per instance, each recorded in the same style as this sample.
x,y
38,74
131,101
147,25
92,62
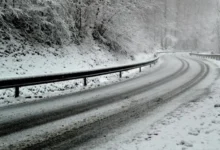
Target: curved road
x,y
68,121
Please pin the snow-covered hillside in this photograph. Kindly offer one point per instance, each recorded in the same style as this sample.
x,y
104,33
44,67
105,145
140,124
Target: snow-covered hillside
x,y
39,60
123,26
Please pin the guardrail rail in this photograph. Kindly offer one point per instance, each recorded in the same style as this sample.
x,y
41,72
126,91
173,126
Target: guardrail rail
x,y
211,56
44,79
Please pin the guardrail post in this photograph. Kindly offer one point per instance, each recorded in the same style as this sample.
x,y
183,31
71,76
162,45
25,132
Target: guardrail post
x,y
85,81
18,83
16,92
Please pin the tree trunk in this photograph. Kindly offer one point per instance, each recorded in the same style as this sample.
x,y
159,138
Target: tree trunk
x,y
6,1
13,3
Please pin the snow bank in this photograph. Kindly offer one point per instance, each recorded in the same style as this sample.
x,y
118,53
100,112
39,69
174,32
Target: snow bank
x,y
39,60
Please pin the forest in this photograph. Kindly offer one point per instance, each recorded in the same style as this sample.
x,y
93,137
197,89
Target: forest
x,y
125,25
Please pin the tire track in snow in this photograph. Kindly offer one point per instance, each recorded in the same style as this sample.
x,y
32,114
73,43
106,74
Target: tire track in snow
x,y
72,138
82,133
39,119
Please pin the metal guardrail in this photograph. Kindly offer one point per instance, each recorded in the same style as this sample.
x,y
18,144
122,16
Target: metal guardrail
x,y
211,56
44,79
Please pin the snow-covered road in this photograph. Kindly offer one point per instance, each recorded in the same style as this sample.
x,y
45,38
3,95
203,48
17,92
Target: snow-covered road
x,y
106,114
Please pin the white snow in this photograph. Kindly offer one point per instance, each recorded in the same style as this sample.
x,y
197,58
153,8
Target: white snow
x,y
45,61
54,128
191,121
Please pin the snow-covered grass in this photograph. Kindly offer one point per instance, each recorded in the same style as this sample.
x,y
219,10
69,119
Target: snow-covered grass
x,y
43,61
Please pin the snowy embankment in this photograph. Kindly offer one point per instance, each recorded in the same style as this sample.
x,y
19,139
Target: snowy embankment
x,y
33,61
193,123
